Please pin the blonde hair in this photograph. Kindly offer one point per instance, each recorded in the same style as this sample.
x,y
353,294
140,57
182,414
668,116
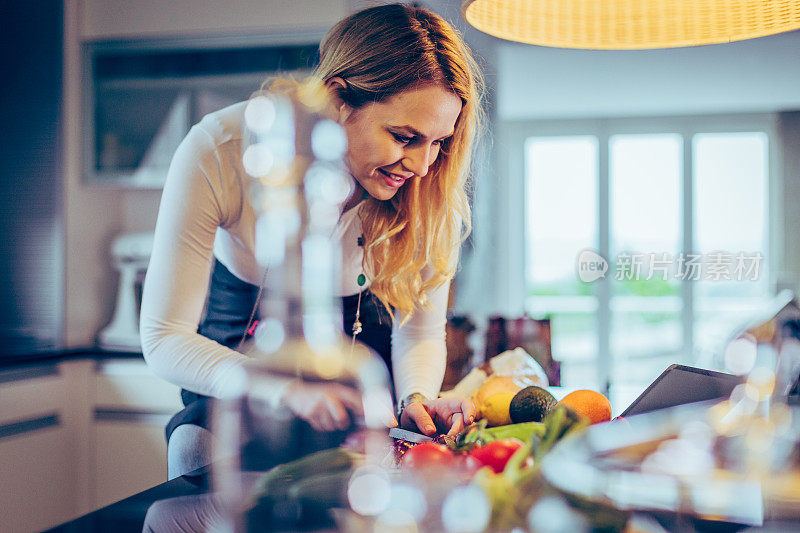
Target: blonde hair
x,y
379,52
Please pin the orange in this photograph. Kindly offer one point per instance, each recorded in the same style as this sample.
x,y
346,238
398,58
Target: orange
x,y
590,404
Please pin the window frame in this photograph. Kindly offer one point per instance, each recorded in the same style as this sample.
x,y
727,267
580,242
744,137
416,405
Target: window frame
x,y
510,203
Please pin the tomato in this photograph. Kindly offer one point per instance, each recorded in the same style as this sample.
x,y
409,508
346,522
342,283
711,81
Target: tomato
x,y
496,454
428,455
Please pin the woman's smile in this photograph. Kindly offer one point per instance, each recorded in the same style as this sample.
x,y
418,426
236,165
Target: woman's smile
x,y
392,179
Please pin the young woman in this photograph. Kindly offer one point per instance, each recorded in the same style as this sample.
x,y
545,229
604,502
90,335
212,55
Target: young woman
x,y
406,90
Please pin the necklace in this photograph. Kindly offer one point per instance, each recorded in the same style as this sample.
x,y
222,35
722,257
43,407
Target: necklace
x,y
357,324
360,280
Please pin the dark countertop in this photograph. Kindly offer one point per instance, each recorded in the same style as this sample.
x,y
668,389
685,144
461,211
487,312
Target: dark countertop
x,y
187,504
54,355
130,514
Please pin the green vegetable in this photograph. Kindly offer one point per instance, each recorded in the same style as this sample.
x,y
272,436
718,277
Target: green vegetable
x,y
478,434
513,492
501,493
322,492
524,431
558,424
277,482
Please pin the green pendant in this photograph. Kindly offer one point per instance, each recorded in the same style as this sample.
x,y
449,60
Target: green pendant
x,y
362,279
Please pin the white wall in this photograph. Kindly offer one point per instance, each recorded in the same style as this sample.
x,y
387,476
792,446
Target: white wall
x,y
91,214
749,76
94,215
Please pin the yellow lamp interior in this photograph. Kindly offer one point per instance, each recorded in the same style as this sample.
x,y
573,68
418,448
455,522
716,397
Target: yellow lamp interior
x,y
631,24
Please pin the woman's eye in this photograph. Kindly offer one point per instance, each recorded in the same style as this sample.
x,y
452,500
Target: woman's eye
x,y
401,138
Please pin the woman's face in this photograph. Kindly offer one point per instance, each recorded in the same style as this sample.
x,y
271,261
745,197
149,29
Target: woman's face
x,y
393,141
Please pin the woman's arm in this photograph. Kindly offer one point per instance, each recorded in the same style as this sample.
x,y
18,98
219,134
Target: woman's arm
x,y
419,354
192,208
419,358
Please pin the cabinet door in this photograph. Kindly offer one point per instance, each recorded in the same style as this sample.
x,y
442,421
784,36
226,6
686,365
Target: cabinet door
x,y
131,408
37,490
130,455
35,457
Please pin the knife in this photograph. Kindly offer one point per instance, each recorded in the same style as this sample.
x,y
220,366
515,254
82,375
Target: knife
x,y
410,436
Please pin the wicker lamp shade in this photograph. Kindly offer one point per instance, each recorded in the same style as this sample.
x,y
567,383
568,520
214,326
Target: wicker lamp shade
x,y
631,24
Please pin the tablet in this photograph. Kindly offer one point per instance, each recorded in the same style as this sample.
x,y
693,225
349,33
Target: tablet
x,y
680,384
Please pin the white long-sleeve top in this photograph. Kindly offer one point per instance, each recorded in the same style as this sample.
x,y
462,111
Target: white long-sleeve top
x,y
205,213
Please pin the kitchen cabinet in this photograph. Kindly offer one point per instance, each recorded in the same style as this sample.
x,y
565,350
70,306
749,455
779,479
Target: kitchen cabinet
x,y
36,466
131,408
37,490
77,435
141,97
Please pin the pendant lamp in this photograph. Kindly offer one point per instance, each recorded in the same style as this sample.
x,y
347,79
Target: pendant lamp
x,y
631,24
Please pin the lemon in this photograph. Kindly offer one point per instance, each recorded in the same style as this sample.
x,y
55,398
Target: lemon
x,y
495,408
493,385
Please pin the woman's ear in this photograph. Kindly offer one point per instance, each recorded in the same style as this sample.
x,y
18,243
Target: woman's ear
x,y
335,87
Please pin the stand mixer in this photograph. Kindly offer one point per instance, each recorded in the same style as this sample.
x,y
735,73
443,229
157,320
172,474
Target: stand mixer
x,y
131,254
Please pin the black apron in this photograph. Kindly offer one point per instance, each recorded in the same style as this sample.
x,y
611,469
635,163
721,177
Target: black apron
x,y
230,304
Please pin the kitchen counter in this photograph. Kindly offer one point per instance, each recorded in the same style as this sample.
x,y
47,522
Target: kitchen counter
x,y
129,515
187,504
79,429
55,355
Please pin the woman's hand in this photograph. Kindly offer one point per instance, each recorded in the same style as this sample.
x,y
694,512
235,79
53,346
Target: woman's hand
x,y
442,414
326,406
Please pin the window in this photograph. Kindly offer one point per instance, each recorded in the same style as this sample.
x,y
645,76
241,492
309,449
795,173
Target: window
x,y
730,215
562,217
645,222
678,208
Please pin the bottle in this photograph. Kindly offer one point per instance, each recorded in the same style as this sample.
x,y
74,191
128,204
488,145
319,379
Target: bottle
x,y
277,468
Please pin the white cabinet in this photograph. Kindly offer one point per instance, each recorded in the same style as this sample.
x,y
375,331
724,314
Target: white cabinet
x,y
131,408
142,97
130,456
37,481
36,466
79,435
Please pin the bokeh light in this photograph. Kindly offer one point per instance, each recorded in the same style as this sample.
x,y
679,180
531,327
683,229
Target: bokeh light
x,y
269,335
328,140
408,500
258,160
740,356
466,510
552,514
369,491
259,115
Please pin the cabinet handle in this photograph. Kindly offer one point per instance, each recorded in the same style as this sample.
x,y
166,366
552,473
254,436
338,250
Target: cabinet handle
x,y
30,372
125,415
27,426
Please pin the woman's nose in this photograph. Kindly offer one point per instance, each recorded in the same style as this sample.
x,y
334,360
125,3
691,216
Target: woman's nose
x,y
417,160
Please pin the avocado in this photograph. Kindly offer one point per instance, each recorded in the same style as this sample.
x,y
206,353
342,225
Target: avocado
x,y
531,404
